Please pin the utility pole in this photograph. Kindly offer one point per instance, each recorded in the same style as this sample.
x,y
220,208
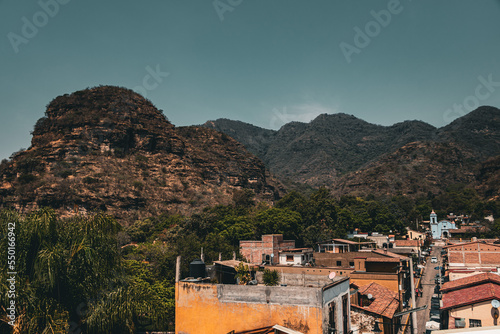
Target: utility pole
x,y
413,302
178,270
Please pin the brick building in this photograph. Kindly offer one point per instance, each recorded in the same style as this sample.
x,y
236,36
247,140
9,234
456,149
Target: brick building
x,y
266,250
476,254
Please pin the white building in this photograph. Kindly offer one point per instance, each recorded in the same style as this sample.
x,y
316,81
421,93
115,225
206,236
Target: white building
x,y
295,256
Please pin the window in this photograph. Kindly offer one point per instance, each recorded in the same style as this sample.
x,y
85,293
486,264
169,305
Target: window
x,y
345,313
339,263
474,323
351,264
289,258
331,316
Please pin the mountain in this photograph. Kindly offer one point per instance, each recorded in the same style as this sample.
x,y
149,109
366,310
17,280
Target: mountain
x,y
256,139
467,151
108,148
317,153
352,156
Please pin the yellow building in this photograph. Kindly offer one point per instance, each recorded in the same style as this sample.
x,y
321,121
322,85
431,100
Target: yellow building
x,y
467,302
222,308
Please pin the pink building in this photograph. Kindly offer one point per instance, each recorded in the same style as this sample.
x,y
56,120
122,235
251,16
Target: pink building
x,y
267,250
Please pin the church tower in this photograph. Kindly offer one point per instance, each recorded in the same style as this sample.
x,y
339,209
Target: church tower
x,y
434,217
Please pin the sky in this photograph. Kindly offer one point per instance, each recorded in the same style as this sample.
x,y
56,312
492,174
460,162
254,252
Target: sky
x,y
265,62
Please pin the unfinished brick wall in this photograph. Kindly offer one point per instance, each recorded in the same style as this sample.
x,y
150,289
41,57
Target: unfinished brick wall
x,y
475,254
271,244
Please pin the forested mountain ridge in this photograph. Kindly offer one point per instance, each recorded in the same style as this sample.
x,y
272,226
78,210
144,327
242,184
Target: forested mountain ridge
x,y
352,156
108,148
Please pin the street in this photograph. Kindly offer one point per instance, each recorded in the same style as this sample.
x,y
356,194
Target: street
x,y
428,284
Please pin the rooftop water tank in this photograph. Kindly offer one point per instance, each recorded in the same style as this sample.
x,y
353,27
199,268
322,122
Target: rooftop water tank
x,y
197,268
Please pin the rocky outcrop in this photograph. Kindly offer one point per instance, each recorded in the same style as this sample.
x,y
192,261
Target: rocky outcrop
x,y
108,148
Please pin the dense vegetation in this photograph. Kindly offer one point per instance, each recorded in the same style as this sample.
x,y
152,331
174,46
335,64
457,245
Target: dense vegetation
x,y
89,275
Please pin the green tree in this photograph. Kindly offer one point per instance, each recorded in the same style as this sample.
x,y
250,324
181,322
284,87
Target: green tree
x,y
270,277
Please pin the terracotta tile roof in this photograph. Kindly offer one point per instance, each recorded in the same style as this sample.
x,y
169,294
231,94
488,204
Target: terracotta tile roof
x,y
471,281
389,254
471,295
469,243
407,243
385,301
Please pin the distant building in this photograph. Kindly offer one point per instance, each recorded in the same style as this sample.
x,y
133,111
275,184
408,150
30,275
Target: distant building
x,y
470,258
265,250
296,256
305,275
343,246
382,241
468,231
467,301
415,235
440,229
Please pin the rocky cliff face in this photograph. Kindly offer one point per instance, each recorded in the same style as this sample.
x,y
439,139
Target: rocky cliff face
x,y
108,148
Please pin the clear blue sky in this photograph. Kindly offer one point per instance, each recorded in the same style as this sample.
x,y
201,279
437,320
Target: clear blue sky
x,y
260,61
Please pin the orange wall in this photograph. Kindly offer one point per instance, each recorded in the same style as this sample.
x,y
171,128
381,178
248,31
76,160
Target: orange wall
x,y
198,310
389,281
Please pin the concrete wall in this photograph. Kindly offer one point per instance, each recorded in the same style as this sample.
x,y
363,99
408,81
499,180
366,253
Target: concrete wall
x,y
209,308
299,279
335,295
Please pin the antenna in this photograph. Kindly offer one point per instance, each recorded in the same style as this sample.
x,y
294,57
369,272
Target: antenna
x,y
332,275
369,296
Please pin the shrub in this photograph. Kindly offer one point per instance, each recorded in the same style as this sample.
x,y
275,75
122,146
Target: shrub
x,y
26,178
271,277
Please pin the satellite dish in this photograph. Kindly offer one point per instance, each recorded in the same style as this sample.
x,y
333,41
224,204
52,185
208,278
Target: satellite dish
x,y
369,296
332,275
495,303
